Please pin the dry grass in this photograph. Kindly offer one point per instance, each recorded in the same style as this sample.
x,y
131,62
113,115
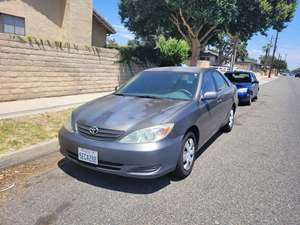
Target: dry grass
x,y
25,131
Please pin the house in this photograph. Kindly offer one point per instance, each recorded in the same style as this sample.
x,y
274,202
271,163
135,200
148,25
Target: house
x,y
210,56
73,21
248,64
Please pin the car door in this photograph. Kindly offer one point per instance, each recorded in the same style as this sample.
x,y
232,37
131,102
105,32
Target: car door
x,y
224,100
207,120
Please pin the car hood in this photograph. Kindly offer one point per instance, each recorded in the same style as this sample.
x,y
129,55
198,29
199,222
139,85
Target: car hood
x,y
243,85
125,113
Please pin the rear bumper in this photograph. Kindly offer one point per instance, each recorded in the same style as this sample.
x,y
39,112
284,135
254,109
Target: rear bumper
x,y
130,160
244,97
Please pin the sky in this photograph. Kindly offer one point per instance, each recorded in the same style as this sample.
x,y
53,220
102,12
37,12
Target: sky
x,y
288,42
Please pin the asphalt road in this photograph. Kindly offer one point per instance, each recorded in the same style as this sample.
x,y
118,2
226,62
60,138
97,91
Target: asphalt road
x,y
250,176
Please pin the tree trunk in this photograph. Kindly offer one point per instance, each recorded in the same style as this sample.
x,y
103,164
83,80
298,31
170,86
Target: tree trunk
x,y
195,48
233,56
221,58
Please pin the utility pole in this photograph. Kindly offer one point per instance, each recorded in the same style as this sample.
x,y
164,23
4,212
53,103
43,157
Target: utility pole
x,y
274,52
268,48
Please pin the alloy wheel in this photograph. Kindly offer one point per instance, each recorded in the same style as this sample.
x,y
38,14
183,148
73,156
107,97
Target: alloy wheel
x,y
188,153
231,118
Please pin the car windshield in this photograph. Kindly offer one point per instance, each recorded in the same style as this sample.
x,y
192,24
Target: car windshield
x,y
239,77
163,85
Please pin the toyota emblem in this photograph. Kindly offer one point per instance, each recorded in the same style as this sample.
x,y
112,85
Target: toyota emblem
x,y
94,130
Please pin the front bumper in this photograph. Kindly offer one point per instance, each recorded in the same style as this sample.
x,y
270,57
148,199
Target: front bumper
x,y
131,160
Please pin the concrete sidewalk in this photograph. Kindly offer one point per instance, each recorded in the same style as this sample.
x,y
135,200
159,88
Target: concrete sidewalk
x,y
34,106
264,79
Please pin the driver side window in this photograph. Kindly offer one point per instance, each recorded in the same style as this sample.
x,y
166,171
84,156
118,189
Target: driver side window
x,y
208,84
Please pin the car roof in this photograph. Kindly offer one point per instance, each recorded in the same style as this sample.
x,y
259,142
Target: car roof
x,y
239,71
188,69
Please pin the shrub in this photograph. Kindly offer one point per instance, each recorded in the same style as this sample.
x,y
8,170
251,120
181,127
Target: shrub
x,y
172,51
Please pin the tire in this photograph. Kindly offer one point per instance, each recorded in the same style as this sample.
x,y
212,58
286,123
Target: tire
x,y
250,101
228,127
187,156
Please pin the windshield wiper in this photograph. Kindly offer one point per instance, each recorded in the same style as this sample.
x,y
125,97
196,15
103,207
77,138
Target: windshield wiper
x,y
147,96
119,94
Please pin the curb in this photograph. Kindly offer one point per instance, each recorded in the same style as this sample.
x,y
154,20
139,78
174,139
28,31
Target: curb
x,y
28,154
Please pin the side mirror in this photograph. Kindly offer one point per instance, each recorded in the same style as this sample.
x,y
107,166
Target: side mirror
x,y
116,88
210,95
255,82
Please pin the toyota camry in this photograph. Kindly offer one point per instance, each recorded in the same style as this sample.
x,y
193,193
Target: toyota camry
x,y
152,125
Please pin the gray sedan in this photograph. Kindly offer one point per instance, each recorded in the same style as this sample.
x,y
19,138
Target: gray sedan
x,y
152,125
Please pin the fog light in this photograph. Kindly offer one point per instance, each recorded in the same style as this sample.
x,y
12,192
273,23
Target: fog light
x,y
146,169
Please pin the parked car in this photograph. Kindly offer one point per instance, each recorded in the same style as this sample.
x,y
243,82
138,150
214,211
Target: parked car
x,y
297,75
152,125
247,85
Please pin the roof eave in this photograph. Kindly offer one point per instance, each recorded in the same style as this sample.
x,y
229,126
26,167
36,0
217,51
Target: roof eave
x,y
106,24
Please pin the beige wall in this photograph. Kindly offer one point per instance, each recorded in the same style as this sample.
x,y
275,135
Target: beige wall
x,y
98,34
43,18
203,63
77,24
57,20
247,66
31,71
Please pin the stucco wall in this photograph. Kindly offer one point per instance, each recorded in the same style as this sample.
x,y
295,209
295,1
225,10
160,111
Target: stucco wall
x,y
43,19
57,20
77,23
32,71
98,34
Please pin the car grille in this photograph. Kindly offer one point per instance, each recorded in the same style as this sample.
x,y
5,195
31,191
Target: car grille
x,y
102,134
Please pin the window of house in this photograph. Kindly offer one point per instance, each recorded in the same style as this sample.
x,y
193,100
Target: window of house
x,y
12,24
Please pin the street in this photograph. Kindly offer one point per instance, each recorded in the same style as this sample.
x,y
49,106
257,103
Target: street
x,y
249,176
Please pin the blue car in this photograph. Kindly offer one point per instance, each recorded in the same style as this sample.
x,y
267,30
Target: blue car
x,y
247,85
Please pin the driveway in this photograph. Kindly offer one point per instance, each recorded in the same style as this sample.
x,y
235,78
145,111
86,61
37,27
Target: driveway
x,y
250,176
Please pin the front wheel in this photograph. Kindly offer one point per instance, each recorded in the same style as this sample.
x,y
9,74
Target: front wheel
x,y
187,156
228,127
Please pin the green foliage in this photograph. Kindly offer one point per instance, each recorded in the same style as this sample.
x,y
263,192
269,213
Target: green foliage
x,y
164,52
197,21
278,63
172,51
141,54
296,71
224,44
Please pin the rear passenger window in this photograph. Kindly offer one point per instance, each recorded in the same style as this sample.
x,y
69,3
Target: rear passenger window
x,y
220,81
208,84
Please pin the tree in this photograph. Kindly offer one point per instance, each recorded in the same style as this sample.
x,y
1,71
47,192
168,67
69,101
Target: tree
x,y
197,21
295,71
278,64
173,51
224,44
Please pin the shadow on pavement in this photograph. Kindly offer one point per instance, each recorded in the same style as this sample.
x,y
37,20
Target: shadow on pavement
x,y
113,182
123,184
208,143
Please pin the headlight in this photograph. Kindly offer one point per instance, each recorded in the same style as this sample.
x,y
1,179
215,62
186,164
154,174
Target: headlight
x,y
148,135
68,124
243,90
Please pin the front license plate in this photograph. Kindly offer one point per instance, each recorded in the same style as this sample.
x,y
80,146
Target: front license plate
x,y
88,156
